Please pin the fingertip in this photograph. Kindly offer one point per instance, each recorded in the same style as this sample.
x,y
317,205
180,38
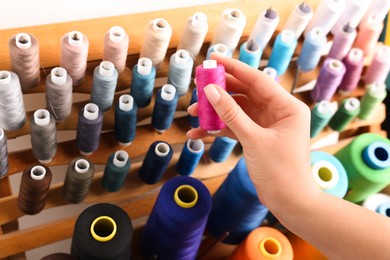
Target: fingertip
x,y
193,109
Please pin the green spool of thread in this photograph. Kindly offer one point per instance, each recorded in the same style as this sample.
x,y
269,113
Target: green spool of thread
x,y
363,179
374,96
320,116
347,111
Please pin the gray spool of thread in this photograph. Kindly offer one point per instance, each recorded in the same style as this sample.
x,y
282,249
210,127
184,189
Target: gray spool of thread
x,y
3,154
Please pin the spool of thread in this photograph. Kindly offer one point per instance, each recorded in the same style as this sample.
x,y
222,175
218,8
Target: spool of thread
x,y
330,77
311,51
34,186
194,33
367,162
230,28
125,125
368,36
89,126
380,8
116,171
78,180
250,53
353,13
320,116
221,148
342,42
219,48
165,107
157,37
24,54
12,112
348,111
190,156
264,28
105,77
236,207
209,73
59,256
353,71
116,44
379,67
264,243
378,202
102,231
74,54
43,136
180,70
59,93
156,162
3,154
142,82
375,94
271,72
326,15
304,250
299,18
282,51
329,173
175,227
193,120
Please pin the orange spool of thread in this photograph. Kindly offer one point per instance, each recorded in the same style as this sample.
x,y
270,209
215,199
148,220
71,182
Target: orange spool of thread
x,y
264,243
304,250
368,35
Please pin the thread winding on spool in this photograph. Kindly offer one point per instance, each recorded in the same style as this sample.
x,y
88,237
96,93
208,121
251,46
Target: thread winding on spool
x,y
380,8
220,49
156,162
304,250
180,70
236,207
378,202
250,53
282,51
90,122
373,97
3,154
43,136
157,37
299,18
24,54
142,82
175,226
116,44
116,170
348,111
353,13
34,186
12,112
265,26
311,51
353,70
125,125
59,256
368,36
379,67
164,108
190,156
193,120
320,116
102,231
221,148
74,54
78,180
342,42
194,33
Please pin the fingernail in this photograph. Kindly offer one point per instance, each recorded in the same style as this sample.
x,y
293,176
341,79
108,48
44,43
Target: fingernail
x,y
190,107
212,93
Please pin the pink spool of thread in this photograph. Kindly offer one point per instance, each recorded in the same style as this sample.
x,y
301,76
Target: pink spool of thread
x,y
369,32
354,67
342,42
379,67
209,73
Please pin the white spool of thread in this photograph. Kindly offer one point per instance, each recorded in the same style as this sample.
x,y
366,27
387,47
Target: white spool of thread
x,y
299,19
265,26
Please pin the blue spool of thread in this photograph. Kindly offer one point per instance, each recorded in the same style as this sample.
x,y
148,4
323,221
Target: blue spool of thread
x,y
250,53
105,78
175,227
329,173
377,155
321,113
189,158
116,171
221,148
156,162
193,120
220,49
180,70
125,120
384,209
311,50
236,207
142,82
282,51
164,108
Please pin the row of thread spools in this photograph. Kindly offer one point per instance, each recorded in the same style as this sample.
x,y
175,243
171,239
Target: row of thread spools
x,y
234,215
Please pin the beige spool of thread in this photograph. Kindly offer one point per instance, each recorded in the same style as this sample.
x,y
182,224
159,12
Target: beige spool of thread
x,y
116,44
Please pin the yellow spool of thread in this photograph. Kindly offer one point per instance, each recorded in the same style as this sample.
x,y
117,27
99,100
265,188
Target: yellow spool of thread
x,y
186,196
103,229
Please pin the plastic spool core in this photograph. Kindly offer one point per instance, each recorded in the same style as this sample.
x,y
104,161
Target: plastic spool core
x,y
317,33
355,55
195,146
270,248
117,34
221,49
42,117
335,65
144,66
38,172
81,166
75,38
160,25
103,229
381,154
325,174
270,72
234,15
168,92
126,102
120,158
377,88
252,46
23,41
384,53
199,19
182,56
209,64
186,196
58,76
162,149
91,111
324,107
106,68
5,77
352,104
304,8
377,155
288,36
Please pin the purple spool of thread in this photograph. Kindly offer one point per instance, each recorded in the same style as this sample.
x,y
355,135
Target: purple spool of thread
x,y
379,67
354,67
209,73
331,74
342,42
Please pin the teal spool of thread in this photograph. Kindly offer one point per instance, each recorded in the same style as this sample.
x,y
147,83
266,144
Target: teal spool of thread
x,y
320,116
348,110
363,179
250,53
116,171
374,96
